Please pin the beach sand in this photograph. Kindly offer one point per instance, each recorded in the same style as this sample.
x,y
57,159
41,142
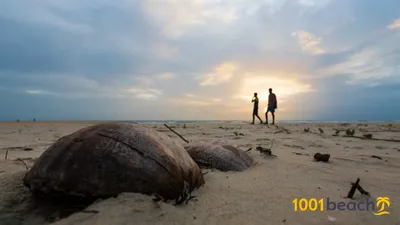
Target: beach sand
x,y
262,194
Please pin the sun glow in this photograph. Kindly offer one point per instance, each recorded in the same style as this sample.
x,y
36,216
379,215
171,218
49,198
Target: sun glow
x,y
260,84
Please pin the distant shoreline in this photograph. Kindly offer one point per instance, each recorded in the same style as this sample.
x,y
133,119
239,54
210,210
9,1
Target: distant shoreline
x,y
201,121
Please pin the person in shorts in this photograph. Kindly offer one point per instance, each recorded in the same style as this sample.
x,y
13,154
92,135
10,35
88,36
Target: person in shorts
x,y
272,105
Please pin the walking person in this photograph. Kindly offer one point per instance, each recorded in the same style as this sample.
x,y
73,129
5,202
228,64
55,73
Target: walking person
x,y
255,108
272,105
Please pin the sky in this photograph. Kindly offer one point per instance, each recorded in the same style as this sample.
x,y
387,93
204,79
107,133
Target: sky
x,y
199,59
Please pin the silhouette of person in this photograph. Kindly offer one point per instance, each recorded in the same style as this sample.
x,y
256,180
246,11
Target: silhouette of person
x,y
272,105
255,108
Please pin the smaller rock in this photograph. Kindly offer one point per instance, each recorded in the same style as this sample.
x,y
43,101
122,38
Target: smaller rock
x,y
322,157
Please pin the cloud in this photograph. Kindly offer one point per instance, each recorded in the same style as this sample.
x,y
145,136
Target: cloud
x,y
317,4
164,76
36,92
283,87
371,63
189,95
176,17
221,74
394,25
180,18
144,93
309,42
362,65
164,51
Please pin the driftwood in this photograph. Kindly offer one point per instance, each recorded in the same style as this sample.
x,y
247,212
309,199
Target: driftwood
x,y
16,158
176,133
361,190
353,189
266,151
282,130
357,186
377,157
26,166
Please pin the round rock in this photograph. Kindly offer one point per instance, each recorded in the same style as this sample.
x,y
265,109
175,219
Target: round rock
x,y
219,154
107,159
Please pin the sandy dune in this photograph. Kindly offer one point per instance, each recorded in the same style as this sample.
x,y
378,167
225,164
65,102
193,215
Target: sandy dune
x,y
262,194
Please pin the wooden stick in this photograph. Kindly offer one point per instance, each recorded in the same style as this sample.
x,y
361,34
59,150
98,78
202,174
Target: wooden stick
x,y
6,154
353,189
176,133
361,190
27,168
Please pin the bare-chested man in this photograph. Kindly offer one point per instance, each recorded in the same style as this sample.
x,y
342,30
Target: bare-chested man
x,y
255,108
272,105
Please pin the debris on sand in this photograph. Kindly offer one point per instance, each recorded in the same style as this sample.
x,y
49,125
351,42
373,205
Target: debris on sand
x,y
377,157
282,130
320,130
322,157
367,136
306,129
219,154
350,132
265,151
176,133
336,132
356,186
238,134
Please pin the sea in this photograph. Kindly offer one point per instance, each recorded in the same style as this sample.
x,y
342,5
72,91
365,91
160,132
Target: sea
x,y
216,121
246,121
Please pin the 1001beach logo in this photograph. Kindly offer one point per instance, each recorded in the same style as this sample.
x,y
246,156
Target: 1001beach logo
x,y
377,206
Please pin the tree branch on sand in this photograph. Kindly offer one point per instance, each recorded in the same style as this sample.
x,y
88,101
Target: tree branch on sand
x,y
282,130
176,133
26,166
357,186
